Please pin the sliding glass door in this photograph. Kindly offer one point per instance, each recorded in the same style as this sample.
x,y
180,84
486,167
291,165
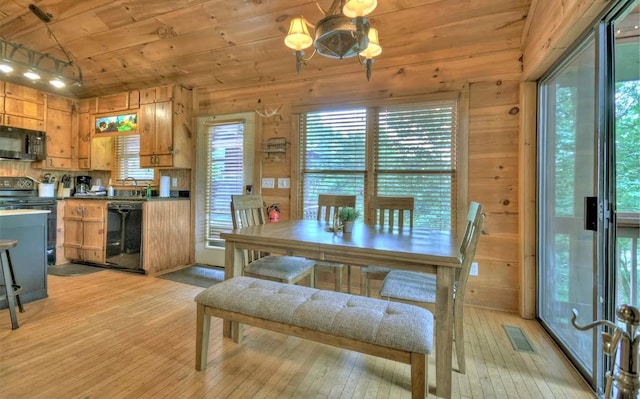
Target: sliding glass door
x,y
568,168
589,186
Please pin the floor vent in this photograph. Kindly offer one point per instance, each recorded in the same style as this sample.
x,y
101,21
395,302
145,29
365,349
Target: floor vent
x,y
519,339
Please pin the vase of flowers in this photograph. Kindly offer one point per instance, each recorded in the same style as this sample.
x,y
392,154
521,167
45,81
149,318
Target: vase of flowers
x,y
347,216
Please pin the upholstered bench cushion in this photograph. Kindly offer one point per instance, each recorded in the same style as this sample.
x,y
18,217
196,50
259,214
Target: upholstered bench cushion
x,y
279,267
385,323
412,286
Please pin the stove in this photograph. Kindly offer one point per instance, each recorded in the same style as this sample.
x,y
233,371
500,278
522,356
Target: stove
x,y
21,193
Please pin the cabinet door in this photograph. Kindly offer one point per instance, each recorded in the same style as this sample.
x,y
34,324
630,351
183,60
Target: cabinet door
x,y
20,92
23,108
147,128
102,153
25,123
164,128
156,135
73,231
58,139
114,102
93,235
84,140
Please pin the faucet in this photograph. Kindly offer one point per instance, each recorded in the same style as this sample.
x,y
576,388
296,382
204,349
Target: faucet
x,y
135,192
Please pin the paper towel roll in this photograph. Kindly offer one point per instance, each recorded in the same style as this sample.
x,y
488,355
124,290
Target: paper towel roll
x,y
165,185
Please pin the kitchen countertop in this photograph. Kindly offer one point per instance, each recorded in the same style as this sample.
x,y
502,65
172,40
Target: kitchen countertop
x,y
17,212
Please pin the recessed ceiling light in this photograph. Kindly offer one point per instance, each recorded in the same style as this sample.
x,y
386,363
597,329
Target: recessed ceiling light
x,y
57,83
6,68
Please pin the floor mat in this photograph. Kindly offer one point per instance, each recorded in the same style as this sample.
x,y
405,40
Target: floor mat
x,y
72,269
198,275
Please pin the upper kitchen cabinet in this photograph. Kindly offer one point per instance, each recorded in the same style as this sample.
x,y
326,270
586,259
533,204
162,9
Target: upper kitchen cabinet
x,y
118,102
83,138
22,107
164,127
61,128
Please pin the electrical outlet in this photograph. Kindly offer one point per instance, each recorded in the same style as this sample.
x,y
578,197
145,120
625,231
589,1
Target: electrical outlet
x,y
474,269
268,182
174,182
284,182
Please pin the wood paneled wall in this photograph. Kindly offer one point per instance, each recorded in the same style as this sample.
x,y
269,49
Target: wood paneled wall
x,y
492,80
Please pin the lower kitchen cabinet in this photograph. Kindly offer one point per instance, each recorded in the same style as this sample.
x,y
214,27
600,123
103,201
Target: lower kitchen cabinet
x,y
166,236
84,230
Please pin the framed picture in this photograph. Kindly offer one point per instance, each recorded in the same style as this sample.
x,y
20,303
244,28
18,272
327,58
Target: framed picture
x,y
123,123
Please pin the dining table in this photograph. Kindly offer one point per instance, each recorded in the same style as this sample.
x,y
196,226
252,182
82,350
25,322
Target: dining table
x,y
415,248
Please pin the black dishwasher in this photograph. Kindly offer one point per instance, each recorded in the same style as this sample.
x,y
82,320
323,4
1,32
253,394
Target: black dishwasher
x,y
124,235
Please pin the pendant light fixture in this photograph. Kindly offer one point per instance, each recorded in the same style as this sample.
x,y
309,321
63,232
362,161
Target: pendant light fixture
x,y
18,60
344,32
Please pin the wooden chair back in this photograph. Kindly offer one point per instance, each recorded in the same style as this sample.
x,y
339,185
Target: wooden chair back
x,y
329,205
391,211
468,246
247,210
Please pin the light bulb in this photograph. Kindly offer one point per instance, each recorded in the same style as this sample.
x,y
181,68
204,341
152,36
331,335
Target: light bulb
x,y
31,75
57,83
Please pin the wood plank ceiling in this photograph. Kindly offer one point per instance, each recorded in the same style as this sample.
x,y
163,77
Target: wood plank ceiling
x,y
229,44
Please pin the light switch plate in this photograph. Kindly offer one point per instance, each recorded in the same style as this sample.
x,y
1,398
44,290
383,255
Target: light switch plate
x,y
284,182
268,182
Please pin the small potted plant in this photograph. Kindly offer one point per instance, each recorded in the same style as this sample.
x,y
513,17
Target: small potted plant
x,y
347,216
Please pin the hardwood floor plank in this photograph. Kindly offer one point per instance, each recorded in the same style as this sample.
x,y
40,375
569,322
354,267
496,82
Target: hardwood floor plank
x,y
121,335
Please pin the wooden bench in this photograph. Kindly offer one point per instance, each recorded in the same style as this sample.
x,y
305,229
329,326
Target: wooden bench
x,y
390,330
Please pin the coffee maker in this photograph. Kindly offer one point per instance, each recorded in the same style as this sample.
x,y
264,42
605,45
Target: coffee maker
x,y
83,184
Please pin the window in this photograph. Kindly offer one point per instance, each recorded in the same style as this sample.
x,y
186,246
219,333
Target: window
x,y
127,159
399,150
225,176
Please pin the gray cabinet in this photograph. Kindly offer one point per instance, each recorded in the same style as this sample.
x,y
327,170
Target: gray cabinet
x,y
30,256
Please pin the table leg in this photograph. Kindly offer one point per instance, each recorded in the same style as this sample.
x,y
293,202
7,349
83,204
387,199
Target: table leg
x,y
444,330
233,264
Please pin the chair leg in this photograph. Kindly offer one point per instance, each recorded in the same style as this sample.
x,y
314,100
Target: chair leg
x,y
9,284
363,282
459,341
337,275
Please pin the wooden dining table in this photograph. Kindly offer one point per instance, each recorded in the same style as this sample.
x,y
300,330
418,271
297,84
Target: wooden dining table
x,y
418,249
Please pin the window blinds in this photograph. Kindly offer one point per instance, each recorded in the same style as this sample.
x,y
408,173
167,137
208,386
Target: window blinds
x,y
413,147
333,155
225,177
127,157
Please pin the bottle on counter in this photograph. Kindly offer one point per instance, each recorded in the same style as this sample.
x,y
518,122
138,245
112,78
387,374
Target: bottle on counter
x,y
110,189
148,190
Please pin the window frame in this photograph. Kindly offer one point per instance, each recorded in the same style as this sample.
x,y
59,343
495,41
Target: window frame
x,y
462,157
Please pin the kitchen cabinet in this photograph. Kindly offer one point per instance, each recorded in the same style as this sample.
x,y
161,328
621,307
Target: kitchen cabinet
x,y
23,107
164,127
118,102
102,153
83,140
84,230
61,124
166,234
29,257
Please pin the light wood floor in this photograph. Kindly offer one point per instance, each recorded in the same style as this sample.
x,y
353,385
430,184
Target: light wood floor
x,y
119,335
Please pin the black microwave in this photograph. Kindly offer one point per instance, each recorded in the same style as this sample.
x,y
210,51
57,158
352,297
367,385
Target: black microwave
x,y
21,144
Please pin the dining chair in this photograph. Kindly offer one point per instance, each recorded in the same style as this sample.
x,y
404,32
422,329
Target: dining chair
x,y
328,207
386,212
420,288
248,210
